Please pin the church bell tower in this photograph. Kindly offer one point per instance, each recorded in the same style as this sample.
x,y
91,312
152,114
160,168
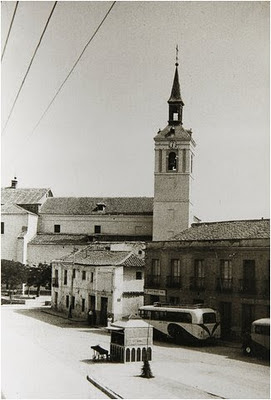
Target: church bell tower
x,y
173,174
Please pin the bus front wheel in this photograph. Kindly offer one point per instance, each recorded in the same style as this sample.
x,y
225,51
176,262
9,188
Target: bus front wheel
x,y
248,350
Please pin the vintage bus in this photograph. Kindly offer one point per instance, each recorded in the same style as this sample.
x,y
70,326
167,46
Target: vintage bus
x,y
257,342
183,323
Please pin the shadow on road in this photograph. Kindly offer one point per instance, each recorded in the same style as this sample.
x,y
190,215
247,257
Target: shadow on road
x,y
42,314
230,350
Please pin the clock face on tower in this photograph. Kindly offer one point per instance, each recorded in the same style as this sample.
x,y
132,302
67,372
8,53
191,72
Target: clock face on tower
x,y
172,144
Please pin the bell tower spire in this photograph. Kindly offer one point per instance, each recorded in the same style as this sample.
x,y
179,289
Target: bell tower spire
x,y
175,101
173,171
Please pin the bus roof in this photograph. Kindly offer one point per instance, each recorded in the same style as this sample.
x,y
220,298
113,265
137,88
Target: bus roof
x,y
172,308
261,321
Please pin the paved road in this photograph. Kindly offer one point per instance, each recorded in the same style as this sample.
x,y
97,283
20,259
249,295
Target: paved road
x,y
44,356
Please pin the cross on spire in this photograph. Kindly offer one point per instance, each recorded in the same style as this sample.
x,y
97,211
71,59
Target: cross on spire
x,y
177,58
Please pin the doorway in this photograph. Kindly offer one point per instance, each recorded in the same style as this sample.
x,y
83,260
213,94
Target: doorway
x,y
103,315
225,319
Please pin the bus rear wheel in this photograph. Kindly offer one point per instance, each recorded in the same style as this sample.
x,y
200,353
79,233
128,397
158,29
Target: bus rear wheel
x,y
175,332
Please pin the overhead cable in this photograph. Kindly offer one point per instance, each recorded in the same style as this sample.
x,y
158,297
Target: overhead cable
x,y
73,67
10,26
31,62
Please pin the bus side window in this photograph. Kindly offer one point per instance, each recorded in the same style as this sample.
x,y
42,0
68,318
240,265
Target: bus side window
x,y
185,317
155,315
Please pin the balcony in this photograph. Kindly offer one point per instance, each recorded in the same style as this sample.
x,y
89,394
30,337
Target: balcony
x,y
174,281
224,285
152,281
247,286
197,283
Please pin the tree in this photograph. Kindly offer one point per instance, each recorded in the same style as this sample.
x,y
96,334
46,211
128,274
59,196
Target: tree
x,y
39,276
146,370
13,273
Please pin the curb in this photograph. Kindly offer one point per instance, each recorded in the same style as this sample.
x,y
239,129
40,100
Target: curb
x,y
62,316
104,389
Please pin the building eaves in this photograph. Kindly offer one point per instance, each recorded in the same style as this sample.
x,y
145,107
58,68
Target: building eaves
x,y
59,239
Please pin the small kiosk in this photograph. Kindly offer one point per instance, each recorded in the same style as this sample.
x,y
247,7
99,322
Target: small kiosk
x,y
131,340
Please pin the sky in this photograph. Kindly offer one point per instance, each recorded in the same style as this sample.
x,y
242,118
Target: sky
x,y
96,139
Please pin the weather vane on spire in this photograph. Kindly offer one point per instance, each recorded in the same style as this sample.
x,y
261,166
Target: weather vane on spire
x,y
177,58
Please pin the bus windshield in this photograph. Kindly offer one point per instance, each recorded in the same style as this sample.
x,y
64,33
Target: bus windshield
x,y
209,318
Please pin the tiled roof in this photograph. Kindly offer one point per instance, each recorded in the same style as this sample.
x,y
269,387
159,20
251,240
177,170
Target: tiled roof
x,y
13,209
88,205
133,261
103,257
227,230
23,196
58,239
178,133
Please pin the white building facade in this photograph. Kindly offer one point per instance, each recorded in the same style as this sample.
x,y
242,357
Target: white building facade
x,y
105,278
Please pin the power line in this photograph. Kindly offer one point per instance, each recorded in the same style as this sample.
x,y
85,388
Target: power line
x,y
10,26
73,67
31,62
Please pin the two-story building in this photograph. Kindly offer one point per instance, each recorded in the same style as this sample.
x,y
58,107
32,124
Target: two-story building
x,y
107,278
225,265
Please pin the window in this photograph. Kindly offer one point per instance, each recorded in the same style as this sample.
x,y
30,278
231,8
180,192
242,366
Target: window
x,y
91,276
2,228
179,317
155,268
262,329
160,161
138,275
73,302
174,300
67,301
175,267
97,229
209,318
184,160
65,277
73,273
175,116
198,269
172,161
225,269
83,275
57,229
83,305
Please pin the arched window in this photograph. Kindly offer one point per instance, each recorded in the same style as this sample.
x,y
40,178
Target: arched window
x,y
138,354
144,354
172,161
133,355
127,355
149,353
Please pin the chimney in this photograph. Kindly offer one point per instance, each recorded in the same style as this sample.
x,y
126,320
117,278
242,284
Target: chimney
x,y
14,183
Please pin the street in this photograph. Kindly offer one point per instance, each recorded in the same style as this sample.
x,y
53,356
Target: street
x,y
46,356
